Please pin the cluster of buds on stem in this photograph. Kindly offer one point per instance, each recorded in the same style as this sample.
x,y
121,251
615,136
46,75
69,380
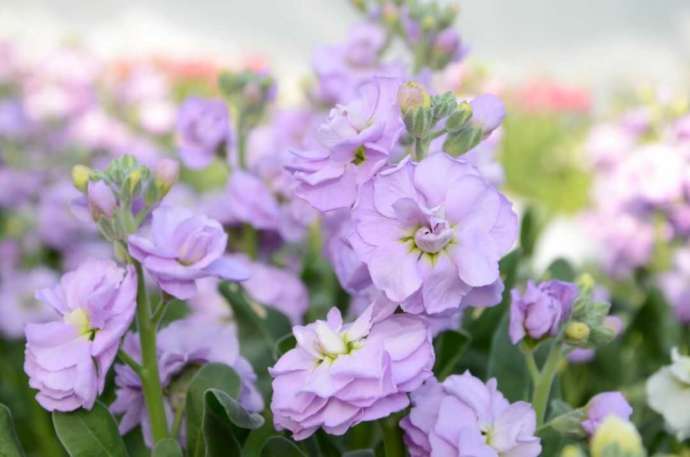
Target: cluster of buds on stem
x,y
249,92
120,197
463,124
589,325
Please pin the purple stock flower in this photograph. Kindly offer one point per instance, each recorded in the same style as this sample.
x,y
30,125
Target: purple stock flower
x,y
356,142
342,374
465,417
676,285
58,224
341,68
182,344
351,272
183,247
208,302
488,112
279,289
67,360
432,234
604,405
102,201
18,303
203,126
541,309
13,121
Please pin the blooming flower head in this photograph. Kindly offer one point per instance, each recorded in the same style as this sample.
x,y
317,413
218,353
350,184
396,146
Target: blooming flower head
x,y
356,142
465,417
341,68
602,406
541,309
342,374
183,247
17,301
183,344
203,126
67,360
432,234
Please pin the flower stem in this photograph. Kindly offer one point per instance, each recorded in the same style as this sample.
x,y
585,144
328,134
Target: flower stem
x,y
125,358
542,387
392,437
150,379
241,141
532,367
418,149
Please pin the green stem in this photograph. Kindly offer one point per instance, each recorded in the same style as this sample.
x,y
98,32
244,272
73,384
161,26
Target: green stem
x,y
241,141
159,312
126,359
418,149
150,379
177,423
249,241
542,388
532,367
392,437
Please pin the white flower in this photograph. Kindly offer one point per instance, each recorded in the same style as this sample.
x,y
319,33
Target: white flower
x,y
668,393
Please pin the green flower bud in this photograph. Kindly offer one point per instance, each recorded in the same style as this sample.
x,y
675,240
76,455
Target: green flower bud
x,y
459,119
577,332
415,105
412,96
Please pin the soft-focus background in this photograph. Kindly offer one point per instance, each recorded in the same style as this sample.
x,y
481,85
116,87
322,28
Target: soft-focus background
x,y
597,43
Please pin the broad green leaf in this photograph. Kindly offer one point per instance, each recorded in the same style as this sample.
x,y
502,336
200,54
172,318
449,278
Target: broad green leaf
x,y
167,448
283,345
507,364
210,376
450,346
226,423
256,438
279,446
9,443
134,442
89,433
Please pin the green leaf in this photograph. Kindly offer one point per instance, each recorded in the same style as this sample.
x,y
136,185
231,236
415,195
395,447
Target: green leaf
x,y
89,433
283,345
529,231
278,446
507,364
167,448
210,376
256,438
9,443
226,421
450,346
134,442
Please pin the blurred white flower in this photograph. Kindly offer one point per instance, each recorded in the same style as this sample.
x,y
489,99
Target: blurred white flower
x,y
668,393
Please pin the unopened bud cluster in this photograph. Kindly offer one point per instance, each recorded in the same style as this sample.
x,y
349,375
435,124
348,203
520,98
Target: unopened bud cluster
x,y
120,197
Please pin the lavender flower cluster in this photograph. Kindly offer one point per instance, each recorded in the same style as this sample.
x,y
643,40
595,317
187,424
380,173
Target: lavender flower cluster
x,y
254,280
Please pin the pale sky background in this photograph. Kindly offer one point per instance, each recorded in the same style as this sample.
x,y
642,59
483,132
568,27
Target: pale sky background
x,y
595,43
591,42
